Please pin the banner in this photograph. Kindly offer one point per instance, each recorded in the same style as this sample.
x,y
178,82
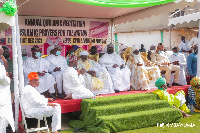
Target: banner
x,y
36,30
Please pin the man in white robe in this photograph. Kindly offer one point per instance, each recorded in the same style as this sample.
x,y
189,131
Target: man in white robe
x,y
6,114
41,66
193,42
117,69
36,105
96,77
179,60
141,70
57,67
73,81
184,47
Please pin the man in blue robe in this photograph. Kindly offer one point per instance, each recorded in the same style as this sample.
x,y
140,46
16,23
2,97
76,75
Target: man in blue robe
x,y
192,62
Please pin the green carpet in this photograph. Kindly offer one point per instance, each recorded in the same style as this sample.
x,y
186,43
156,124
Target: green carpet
x,y
125,112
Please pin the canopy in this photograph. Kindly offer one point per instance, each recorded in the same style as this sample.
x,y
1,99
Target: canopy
x,y
187,19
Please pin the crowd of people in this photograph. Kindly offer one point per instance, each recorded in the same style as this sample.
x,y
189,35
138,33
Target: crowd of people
x,y
82,75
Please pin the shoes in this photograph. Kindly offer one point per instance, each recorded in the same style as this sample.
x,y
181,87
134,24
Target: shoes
x,y
53,96
176,84
168,85
116,91
61,96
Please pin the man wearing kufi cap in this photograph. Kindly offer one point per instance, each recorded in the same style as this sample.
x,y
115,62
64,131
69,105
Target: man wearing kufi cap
x,y
117,69
177,101
73,81
36,105
93,54
56,68
142,70
194,94
41,66
97,78
6,114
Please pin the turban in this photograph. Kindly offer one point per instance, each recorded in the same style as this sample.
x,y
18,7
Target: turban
x,y
110,45
73,58
35,46
134,48
195,81
49,49
83,53
159,82
33,75
58,46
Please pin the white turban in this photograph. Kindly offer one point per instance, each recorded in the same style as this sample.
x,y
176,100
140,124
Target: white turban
x,y
135,48
83,53
49,49
121,47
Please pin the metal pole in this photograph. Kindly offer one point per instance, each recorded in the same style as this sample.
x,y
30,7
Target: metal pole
x,y
198,55
111,31
170,39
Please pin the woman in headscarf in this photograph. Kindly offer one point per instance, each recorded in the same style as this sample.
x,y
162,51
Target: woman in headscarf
x,y
177,101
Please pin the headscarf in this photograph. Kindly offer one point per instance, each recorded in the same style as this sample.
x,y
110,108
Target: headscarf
x,y
33,75
83,53
159,82
195,81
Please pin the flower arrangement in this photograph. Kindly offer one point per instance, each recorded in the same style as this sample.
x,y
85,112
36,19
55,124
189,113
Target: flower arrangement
x,y
9,8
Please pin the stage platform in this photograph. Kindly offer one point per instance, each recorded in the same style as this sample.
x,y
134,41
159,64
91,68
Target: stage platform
x,y
75,104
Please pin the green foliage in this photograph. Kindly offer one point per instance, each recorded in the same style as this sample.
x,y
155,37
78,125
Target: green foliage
x,y
125,112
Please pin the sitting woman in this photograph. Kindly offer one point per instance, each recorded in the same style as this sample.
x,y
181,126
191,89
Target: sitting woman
x,y
194,94
177,101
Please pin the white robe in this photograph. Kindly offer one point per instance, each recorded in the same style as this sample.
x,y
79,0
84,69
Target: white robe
x,y
182,63
101,73
57,61
74,83
184,46
120,77
6,114
35,105
39,65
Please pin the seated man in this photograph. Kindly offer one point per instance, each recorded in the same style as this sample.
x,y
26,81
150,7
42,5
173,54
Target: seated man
x,y
115,65
73,81
194,94
57,67
36,105
97,79
179,60
139,74
41,66
93,54
176,101
6,114
161,60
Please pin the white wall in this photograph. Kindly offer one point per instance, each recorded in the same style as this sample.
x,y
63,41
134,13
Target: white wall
x,y
138,38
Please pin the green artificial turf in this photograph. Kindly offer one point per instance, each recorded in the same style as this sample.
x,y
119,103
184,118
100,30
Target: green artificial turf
x,y
195,119
125,112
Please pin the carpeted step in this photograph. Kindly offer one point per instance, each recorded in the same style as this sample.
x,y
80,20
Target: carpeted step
x,y
141,119
86,104
122,108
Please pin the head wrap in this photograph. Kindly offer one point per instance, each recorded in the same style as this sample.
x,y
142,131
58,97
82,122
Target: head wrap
x,y
49,49
35,46
159,82
83,53
121,47
58,46
110,45
33,75
73,58
195,81
134,48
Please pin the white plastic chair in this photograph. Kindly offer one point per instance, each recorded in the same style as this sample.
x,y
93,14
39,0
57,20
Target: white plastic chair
x,y
24,116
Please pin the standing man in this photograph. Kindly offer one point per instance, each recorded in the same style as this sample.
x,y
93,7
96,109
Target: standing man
x,y
161,60
57,67
36,105
192,63
184,47
73,81
117,69
6,114
41,66
194,41
179,60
